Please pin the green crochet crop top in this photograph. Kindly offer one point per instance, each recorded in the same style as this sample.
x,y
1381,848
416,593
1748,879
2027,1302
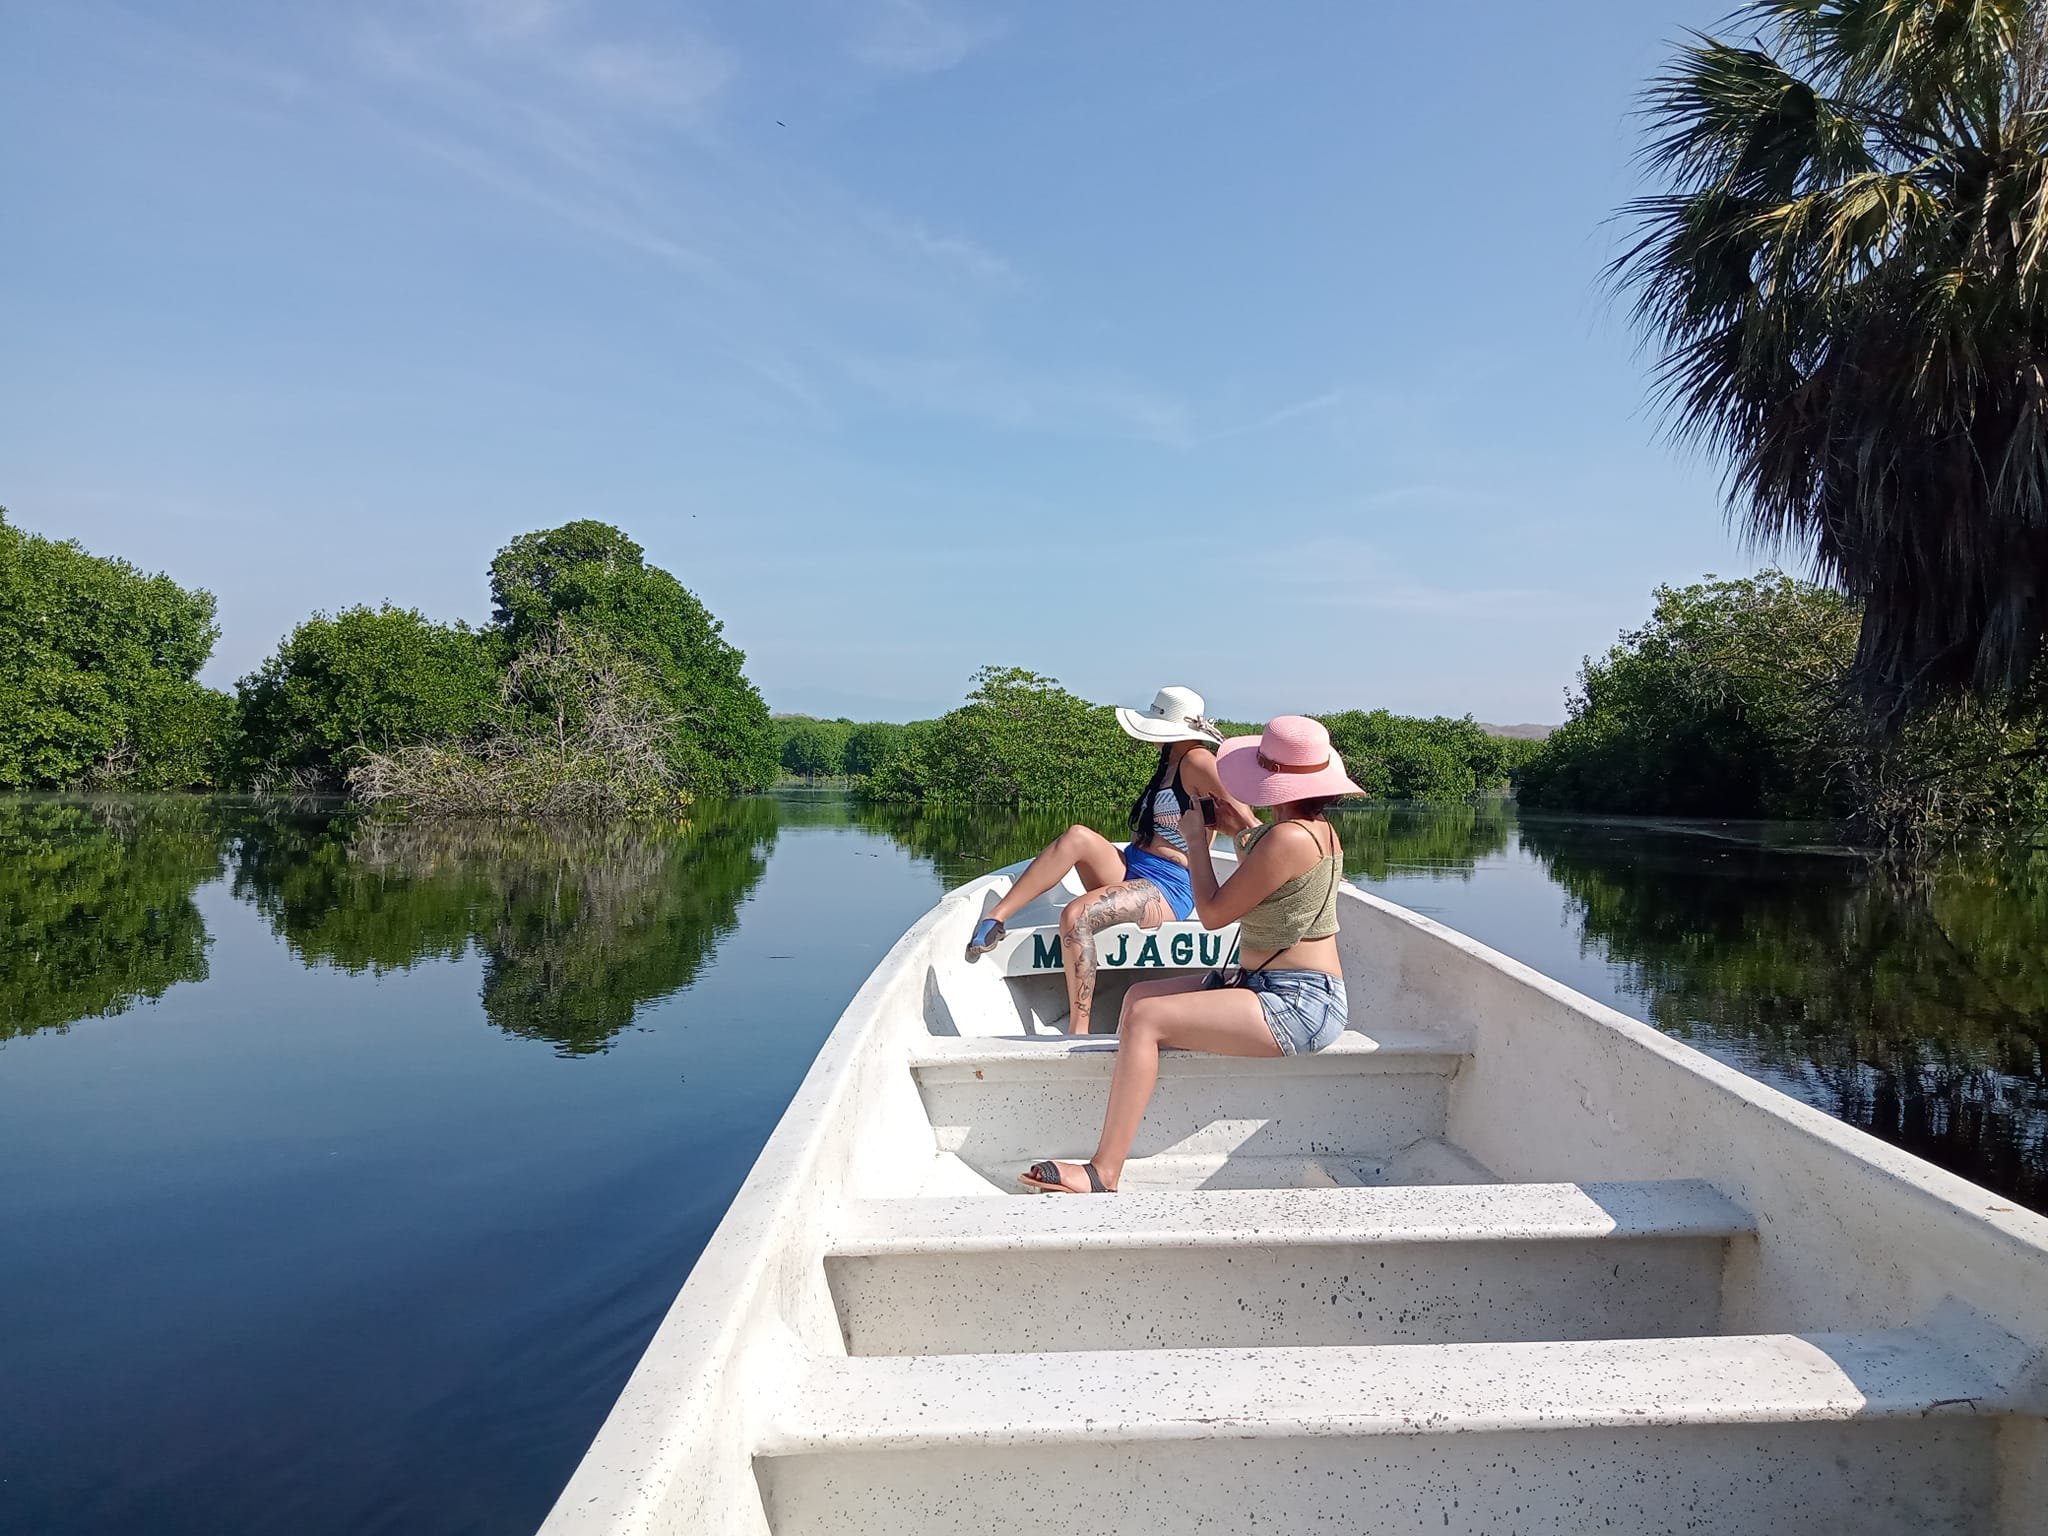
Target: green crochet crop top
x,y
1302,908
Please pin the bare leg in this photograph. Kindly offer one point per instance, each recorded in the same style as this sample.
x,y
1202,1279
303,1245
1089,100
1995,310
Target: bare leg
x,y
1227,1021
1131,901
1095,856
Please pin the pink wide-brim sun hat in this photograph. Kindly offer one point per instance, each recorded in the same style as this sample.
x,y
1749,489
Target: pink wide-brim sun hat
x,y
1291,760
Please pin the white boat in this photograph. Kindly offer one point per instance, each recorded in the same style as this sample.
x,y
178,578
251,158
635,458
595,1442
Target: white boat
x,y
1501,1260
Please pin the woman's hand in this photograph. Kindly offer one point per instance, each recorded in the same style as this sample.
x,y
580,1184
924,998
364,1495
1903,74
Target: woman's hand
x,y
1234,816
1198,773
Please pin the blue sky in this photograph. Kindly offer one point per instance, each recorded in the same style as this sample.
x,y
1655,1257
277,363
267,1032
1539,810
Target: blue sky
x,y
1254,347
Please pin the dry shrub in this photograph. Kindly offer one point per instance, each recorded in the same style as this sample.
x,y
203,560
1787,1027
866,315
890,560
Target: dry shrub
x,y
577,733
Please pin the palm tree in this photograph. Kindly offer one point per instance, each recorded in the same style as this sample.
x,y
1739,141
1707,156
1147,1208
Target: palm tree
x,y
1847,284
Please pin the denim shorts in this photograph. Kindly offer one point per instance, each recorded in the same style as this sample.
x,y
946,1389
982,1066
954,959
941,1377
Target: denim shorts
x,y
1304,1009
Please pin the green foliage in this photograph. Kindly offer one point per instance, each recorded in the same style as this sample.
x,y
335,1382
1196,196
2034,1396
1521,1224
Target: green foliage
x,y
594,658
366,679
1397,757
812,749
870,746
1736,700
579,730
1724,704
1020,739
829,749
98,669
595,577
964,842
96,908
1847,279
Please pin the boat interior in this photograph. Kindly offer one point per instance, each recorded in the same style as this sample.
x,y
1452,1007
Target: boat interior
x,y
1501,1259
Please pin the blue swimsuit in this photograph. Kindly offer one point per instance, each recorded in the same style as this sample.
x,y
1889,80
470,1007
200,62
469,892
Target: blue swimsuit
x,y
1168,806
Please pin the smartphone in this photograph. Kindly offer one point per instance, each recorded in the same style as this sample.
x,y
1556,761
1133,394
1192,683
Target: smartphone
x,y
1208,812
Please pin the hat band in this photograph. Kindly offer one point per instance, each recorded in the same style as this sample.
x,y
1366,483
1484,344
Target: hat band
x,y
1270,766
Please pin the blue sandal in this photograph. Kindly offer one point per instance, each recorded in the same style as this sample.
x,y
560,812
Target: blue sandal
x,y
988,933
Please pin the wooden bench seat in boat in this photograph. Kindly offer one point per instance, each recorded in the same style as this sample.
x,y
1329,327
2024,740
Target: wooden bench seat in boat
x,y
1341,1116
1888,1433
1354,1051
1244,1269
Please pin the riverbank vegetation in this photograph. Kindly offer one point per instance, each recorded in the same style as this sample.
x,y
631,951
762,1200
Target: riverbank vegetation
x,y
1022,739
601,688
1841,279
1739,699
99,666
819,750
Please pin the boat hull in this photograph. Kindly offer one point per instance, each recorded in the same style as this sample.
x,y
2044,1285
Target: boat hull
x,y
1500,1226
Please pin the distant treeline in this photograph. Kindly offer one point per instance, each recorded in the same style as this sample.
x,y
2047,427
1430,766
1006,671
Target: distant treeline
x,y
600,688
1022,739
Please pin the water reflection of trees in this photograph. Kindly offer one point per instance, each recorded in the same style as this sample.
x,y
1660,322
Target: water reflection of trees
x,y
965,842
96,908
578,927
1381,840
1915,1007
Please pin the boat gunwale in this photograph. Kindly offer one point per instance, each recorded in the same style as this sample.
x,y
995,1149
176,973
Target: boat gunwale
x,y
1924,1179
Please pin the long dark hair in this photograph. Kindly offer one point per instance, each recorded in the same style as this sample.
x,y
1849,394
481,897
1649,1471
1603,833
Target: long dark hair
x,y
1142,823
1314,808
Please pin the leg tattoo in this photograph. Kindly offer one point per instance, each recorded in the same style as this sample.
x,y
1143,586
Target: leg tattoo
x,y
1088,916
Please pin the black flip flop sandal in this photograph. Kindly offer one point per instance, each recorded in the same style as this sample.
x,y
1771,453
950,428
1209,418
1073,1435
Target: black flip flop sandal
x,y
1045,1178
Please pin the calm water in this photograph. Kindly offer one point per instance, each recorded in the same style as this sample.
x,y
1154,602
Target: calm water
x,y
345,1172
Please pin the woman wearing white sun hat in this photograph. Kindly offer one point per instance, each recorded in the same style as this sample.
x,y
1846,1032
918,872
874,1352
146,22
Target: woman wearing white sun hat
x,y
1146,883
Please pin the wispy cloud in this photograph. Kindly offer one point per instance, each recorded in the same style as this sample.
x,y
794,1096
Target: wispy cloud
x,y
1428,495
789,380
920,37
682,75
592,214
510,18
999,393
1334,571
943,248
1314,405
823,305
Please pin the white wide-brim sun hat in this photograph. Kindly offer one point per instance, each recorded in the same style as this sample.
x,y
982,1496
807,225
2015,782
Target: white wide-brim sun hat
x,y
1175,715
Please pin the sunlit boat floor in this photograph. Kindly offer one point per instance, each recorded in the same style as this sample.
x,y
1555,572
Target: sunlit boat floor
x,y
1428,1161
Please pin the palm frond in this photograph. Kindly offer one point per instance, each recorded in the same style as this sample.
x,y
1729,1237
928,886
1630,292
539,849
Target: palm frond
x,y
1845,278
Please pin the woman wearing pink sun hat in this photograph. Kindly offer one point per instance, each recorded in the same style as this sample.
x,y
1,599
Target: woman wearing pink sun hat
x,y
1285,997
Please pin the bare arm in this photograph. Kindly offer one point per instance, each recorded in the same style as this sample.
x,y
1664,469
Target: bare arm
x,y
1280,855
1199,777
